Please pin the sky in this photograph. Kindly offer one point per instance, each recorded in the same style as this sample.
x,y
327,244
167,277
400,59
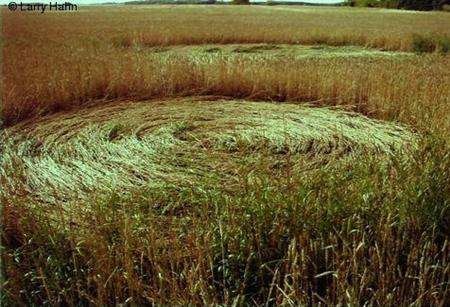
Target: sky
x,y
100,1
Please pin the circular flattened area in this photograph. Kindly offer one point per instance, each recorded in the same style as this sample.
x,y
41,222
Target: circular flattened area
x,y
124,146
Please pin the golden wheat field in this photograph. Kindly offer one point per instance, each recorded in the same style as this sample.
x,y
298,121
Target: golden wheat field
x,y
225,155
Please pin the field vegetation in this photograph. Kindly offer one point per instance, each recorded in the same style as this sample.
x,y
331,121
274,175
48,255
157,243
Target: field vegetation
x,y
210,155
424,5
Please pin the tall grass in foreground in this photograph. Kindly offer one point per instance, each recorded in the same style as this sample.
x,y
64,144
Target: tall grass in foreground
x,y
347,233
367,230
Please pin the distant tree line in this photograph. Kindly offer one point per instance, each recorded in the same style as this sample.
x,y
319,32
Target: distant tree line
x,y
422,5
398,4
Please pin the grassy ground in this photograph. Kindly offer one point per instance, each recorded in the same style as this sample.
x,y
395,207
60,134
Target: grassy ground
x,y
200,155
261,52
77,57
128,145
